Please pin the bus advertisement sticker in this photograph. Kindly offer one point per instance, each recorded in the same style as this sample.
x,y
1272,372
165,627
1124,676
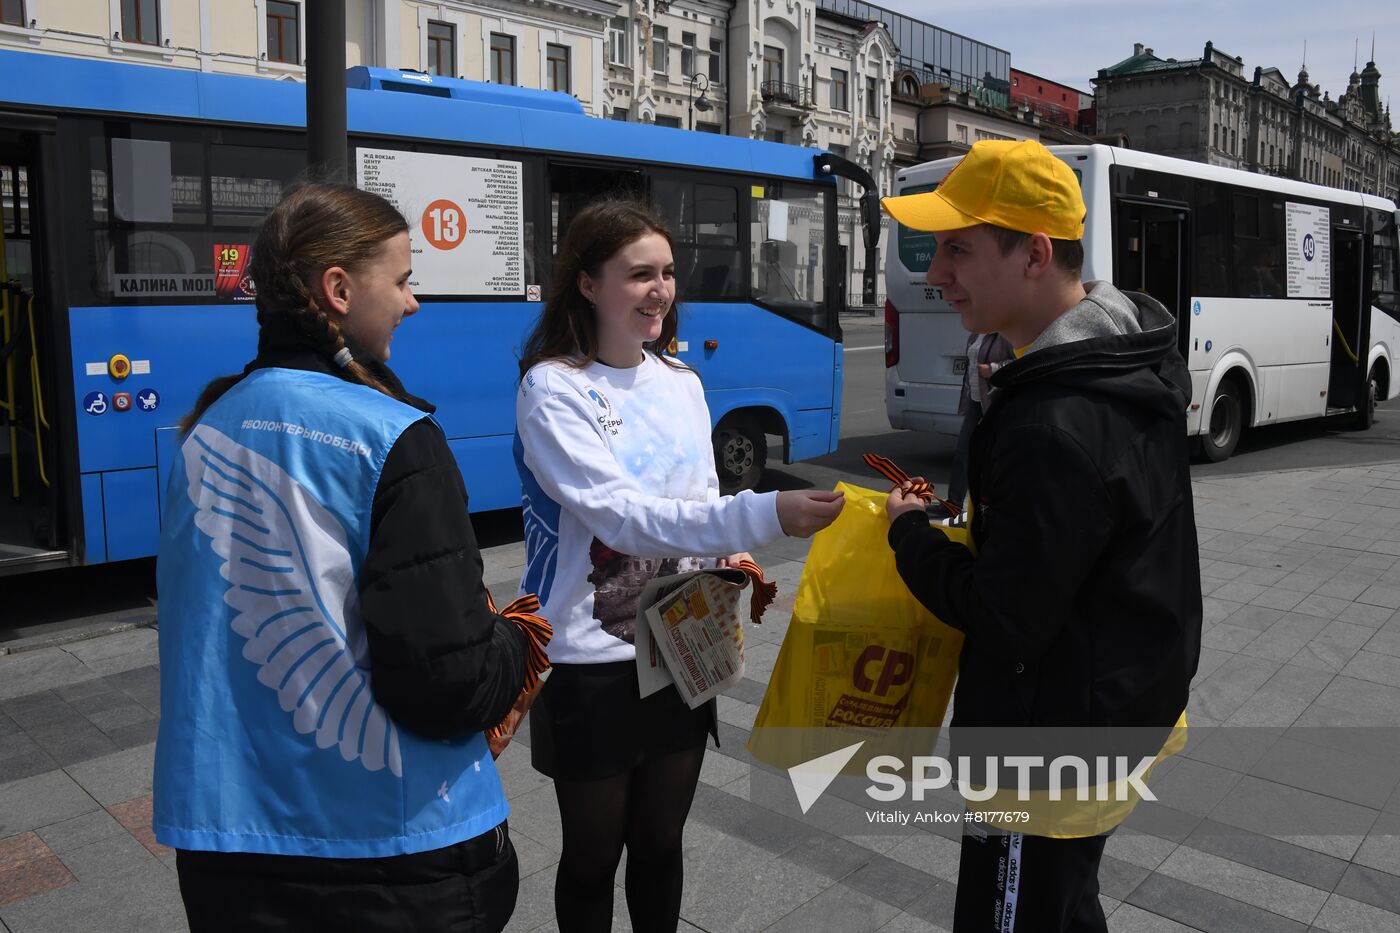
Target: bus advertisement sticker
x,y
230,264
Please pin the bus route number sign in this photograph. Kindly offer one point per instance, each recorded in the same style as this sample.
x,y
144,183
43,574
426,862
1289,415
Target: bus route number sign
x,y
444,225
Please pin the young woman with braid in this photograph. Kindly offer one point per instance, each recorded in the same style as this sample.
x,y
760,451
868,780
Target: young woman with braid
x,y
614,453
329,655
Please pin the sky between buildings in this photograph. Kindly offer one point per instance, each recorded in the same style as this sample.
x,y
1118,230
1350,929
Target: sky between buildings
x,y
1070,40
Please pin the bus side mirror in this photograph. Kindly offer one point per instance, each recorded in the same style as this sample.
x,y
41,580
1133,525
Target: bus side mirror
x,y
870,217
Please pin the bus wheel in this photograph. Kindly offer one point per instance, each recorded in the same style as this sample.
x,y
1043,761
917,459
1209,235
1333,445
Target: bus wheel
x,y
1226,423
741,451
1366,412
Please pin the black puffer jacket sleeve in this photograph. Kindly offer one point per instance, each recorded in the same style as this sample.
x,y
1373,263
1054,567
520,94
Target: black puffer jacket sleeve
x,y
442,664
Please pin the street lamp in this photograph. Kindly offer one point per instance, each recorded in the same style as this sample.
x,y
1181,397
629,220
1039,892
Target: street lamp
x,y
700,103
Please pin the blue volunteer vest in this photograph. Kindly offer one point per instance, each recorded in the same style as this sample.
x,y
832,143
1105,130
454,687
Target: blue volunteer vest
x,y
270,738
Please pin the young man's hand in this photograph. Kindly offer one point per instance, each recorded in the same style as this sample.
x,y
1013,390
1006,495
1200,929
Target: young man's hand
x,y
901,500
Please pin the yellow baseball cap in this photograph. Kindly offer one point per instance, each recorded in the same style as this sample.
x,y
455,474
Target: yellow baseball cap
x,y
1016,185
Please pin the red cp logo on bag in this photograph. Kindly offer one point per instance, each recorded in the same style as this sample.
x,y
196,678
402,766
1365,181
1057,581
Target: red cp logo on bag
x,y
896,670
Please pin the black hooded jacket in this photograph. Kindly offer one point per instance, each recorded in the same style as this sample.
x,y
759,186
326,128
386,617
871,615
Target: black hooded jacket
x,y
1083,604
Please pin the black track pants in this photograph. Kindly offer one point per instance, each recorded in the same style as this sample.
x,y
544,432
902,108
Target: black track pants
x,y
1012,883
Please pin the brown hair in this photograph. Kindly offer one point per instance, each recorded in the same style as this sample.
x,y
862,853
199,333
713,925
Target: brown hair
x,y
1068,255
313,227
568,328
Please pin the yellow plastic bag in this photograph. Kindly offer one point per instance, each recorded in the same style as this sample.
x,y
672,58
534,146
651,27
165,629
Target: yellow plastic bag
x,y
862,658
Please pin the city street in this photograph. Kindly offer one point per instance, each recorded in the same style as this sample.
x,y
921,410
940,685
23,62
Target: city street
x,y
1299,541
184,181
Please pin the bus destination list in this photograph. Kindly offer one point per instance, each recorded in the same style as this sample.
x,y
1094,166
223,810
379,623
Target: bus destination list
x,y
465,215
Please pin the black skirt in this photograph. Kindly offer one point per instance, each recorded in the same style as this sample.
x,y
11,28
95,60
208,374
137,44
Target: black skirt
x,y
589,722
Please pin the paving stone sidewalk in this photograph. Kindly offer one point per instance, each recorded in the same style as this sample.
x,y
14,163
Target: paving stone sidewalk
x,y
1302,629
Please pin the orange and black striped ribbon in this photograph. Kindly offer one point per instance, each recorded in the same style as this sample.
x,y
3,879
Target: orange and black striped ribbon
x,y
764,591
886,468
523,611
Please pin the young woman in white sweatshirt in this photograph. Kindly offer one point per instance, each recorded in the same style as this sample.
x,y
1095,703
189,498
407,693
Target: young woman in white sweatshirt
x,y
613,448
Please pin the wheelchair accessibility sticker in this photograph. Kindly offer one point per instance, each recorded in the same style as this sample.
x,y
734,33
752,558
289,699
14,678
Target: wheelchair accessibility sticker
x,y
95,403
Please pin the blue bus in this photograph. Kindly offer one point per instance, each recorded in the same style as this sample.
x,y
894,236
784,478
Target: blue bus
x,y
132,195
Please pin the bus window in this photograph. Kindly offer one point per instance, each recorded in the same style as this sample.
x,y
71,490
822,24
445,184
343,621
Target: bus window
x,y
574,187
1212,216
704,219
171,215
915,246
1258,246
1385,267
246,182
788,228
157,180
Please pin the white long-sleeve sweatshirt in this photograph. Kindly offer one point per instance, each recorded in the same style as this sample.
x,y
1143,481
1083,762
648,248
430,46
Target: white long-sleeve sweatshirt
x,y
619,486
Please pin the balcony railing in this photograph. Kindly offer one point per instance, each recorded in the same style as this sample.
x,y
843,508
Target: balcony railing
x,y
781,92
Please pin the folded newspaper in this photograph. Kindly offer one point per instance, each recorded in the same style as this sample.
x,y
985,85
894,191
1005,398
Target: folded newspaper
x,y
688,634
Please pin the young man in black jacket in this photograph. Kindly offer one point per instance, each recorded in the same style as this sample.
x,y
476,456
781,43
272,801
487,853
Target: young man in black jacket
x,y
1082,607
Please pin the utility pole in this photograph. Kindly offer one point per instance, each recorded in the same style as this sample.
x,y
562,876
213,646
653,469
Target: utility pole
x,y
326,142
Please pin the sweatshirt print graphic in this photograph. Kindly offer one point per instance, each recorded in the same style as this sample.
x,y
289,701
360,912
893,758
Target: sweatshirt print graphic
x,y
619,486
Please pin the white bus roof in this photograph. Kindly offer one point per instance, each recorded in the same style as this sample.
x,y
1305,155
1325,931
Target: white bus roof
x,y
1174,166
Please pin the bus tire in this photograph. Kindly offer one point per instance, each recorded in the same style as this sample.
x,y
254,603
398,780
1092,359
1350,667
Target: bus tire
x,y
1365,415
1226,422
741,452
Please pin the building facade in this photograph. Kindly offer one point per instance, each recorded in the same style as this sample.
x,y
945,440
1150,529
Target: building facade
x,y
527,42
1053,102
1208,110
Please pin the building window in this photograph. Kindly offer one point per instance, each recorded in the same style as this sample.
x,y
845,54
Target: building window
x,y
687,54
872,97
716,60
775,136
12,12
617,41
620,113
1215,135
660,51
141,21
962,133
673,122
557,61
772,64
702,127
840,90
909,86
283,34
442,49
502,58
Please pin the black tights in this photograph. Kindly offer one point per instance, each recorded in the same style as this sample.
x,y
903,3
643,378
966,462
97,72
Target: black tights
x,y
644,809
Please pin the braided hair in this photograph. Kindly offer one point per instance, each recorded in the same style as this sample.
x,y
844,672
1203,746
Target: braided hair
x,y
313,227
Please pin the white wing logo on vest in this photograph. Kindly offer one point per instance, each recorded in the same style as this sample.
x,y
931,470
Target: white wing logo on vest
x,y
290,578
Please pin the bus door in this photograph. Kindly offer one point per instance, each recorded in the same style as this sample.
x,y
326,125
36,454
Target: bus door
x,y
1151,256
30,473
1350,320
